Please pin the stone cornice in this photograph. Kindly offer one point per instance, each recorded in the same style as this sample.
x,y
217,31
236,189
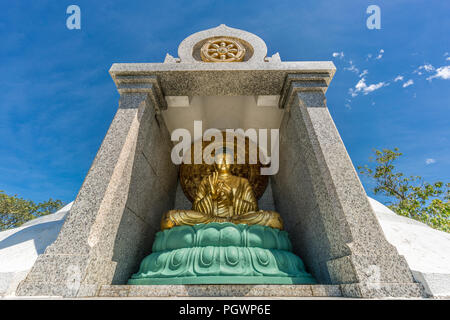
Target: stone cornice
x,y
142,84
306,82
209,79
146,68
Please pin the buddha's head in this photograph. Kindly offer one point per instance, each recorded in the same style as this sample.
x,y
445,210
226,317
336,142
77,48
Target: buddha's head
x,y
223,163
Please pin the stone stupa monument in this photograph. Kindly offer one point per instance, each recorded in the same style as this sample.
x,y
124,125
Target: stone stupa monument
x,y
140,220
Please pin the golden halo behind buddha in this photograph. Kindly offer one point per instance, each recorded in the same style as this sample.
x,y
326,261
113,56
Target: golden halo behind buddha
x,y
192,174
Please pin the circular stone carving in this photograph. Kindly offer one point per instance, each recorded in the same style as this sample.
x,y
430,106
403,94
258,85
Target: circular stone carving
x,y
223,49
192,174
256,49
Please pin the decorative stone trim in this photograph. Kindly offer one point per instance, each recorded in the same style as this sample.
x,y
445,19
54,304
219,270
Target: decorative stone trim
x,y
142,84
302,82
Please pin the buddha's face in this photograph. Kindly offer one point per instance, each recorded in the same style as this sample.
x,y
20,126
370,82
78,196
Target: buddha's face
x,y
223,163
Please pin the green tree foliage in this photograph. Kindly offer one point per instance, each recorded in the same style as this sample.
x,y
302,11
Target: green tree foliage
x,y
15,211
412,196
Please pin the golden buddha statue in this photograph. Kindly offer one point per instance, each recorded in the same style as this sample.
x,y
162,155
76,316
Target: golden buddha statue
x,y
223,197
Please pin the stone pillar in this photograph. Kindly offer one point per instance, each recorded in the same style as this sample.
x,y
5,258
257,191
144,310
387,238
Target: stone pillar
x,y
326,211
112,223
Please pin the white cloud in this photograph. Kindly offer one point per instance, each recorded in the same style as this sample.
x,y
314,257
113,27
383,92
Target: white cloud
x,y
363,73
408,83
448,59
352,67
338,54
361,86
380,54
427,67
398,78
374,87
441,73
430,161
377,56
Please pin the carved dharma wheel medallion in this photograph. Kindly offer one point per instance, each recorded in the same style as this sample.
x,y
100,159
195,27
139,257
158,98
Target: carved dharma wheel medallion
x,y
222,50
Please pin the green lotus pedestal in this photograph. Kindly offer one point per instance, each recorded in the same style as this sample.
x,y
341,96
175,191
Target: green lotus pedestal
x,y
222,253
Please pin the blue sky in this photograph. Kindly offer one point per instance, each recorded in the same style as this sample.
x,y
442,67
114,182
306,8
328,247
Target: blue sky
x,y
57,98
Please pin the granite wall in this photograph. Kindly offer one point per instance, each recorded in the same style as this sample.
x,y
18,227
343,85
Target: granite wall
x,y
325,208
111,226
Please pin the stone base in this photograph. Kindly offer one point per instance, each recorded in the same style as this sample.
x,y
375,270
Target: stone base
x,y
382,290
220,291
355,290
223,280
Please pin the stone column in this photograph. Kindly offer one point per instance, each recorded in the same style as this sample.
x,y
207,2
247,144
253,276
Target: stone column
x,y
326,210
112,223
